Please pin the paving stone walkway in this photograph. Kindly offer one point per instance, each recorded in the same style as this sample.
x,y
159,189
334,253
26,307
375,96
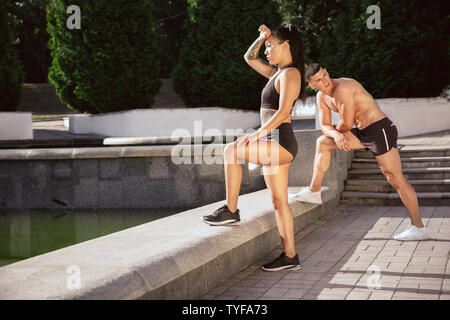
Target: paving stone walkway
x,y
351,254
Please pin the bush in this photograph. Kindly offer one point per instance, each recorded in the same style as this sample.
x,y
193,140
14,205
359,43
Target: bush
x,y
33,47
11,70
111,63
170,16
211,69
407,57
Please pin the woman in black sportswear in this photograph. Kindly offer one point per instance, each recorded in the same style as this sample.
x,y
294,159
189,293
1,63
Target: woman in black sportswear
x,y
273,146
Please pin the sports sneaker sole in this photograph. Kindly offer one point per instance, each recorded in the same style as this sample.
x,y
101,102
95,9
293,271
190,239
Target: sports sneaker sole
x,y
305,200
222,223
291,267
412,239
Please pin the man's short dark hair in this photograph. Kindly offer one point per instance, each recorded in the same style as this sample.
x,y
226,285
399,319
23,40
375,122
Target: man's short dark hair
x,y
311,70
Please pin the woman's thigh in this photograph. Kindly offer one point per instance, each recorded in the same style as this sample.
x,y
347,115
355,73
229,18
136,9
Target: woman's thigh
x,y
262,152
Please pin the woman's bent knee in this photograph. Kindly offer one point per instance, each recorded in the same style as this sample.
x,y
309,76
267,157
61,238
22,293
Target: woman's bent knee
x,y
229,153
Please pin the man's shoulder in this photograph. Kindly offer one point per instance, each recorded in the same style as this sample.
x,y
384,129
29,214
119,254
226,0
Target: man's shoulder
x,y
346,84
320,100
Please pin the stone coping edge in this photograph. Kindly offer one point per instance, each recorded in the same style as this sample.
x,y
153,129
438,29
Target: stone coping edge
x,y
111,152
181,150
177,257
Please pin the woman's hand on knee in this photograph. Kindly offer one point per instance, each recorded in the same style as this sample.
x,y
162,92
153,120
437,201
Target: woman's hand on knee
x,y
246,140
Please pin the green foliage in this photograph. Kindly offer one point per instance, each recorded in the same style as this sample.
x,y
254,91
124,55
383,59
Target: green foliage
x,y
314,19
407,57
111,63
11,70
211,69
33,46
310,91
170,16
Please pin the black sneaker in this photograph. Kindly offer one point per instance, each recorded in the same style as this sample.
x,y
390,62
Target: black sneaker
x,y
222,216
283,262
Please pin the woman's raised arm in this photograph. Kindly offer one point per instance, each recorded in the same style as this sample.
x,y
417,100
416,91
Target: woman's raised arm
x,y
251,56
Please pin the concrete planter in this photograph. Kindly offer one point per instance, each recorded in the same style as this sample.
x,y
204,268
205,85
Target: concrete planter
x,y
164,122
412,116
15,125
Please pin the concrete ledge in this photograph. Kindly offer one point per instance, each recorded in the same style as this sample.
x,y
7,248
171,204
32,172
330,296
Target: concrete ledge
x,y
178,257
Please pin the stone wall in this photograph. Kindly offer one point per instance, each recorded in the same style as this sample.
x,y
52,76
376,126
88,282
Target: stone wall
x,y
119,182
138,176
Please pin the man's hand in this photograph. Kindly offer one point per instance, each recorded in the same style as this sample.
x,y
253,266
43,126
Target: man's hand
x,y
342,141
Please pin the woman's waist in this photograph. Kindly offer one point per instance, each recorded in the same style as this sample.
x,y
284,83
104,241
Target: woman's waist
x,y
266,114
284,126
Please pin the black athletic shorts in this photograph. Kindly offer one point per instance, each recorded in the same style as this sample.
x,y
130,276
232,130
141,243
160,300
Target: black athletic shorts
x,y
285,137
378,137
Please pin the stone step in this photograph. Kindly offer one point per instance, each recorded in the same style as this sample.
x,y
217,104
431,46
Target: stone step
x,y
412,162
442,185
412,151
388,199
409,173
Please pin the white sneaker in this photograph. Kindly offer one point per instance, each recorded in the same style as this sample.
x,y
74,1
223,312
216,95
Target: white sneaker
x,y
413,233
306,195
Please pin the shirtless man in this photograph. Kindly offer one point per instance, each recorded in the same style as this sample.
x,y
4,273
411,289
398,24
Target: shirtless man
x,y
373,131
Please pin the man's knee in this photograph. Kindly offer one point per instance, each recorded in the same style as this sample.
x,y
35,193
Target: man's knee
x,y
324,143
394,178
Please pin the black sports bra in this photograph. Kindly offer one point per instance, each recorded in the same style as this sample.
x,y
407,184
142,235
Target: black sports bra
x,y
270,98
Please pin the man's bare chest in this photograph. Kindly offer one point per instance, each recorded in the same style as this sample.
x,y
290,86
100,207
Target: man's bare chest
x,y
333,103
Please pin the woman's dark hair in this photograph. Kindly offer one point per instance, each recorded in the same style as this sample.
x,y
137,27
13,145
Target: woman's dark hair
x,y
291,33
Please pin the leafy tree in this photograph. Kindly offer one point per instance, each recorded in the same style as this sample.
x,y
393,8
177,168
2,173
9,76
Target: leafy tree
x,y
11,70
109,64
170,16
211,69
407,57
33,46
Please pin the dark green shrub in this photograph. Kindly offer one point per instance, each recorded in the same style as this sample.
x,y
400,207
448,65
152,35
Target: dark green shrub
x,y
11,70
211,69
170,16
33,47
111,63
407,57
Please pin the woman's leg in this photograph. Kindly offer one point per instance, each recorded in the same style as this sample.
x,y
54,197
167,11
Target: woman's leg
x,y
278,184
262,152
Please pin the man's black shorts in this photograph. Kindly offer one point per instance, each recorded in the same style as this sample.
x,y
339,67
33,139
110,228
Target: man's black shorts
x,y
378,137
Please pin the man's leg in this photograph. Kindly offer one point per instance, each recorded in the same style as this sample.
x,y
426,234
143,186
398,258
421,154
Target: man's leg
x,y
391,167
324,146
322,159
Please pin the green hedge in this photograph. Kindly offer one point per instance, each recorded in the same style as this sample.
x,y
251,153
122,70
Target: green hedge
x,y
170,16
211,69
111,63
407,57
11,70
